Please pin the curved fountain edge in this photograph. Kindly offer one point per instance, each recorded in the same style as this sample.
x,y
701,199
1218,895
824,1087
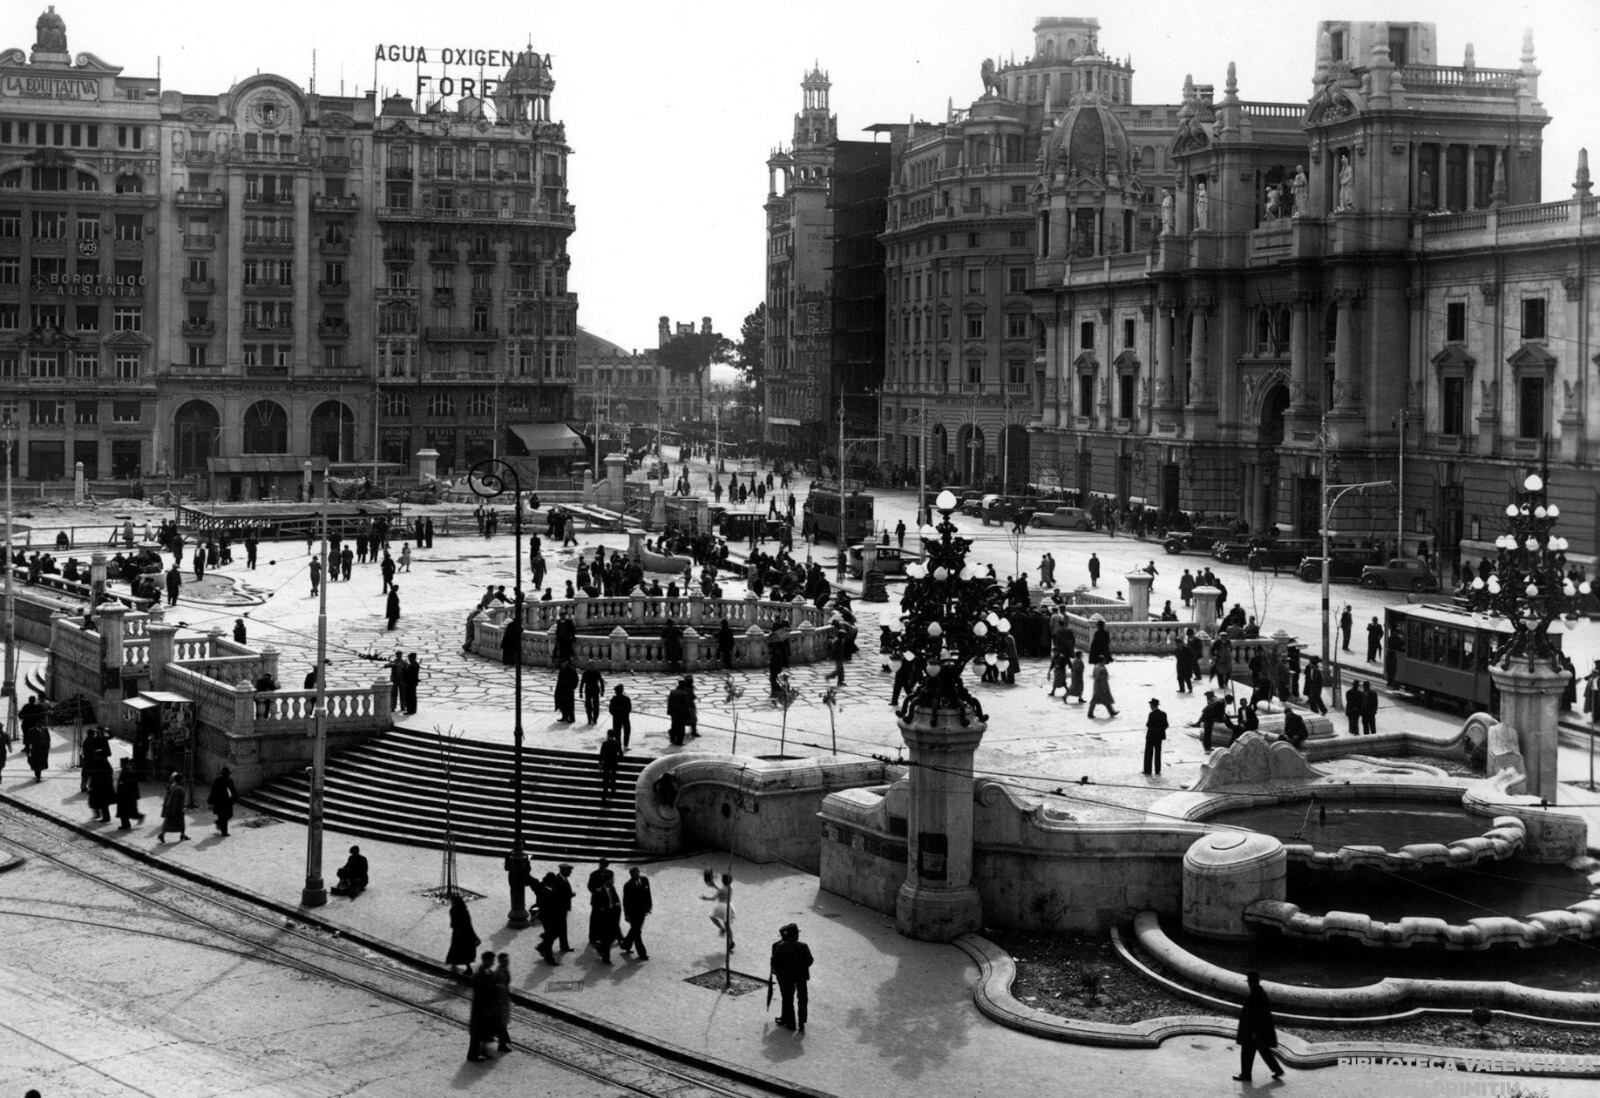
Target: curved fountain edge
x,y
991,994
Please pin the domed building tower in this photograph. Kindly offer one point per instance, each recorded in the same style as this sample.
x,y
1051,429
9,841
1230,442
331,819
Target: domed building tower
x,y
1089,181
524,93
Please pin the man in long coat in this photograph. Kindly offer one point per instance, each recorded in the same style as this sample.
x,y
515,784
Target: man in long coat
x,y
566,693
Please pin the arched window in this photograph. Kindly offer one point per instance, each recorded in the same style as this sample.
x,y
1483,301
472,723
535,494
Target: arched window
x,y
480,406
441,406
396,406
128,184
266,428
195,430
333,432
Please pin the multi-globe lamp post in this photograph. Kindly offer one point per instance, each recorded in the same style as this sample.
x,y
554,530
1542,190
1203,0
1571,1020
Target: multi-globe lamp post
x,y
951,618
1530,590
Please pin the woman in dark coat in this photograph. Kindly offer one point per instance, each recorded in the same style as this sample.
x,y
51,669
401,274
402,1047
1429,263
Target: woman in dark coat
x,y
484,1018
463,939
725,644
222,799
174,810
102,788
566,693
1100,644
128,795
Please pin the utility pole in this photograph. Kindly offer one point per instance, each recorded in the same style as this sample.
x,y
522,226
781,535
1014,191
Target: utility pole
x,y
840,542
1005,443
1400,519
1331,494
922,471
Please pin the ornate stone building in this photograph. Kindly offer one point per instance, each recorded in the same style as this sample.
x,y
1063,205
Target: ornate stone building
x,y
1371,269
630,388
966,212
228,286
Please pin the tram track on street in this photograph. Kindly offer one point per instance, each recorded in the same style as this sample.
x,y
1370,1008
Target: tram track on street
x,y
236,924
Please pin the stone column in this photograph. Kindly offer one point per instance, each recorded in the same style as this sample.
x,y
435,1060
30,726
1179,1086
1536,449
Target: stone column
x,y
1530,704
1346,387
161,637
1205,609
1139,595
1166,388
427,464
111,634
938,902
77,482
616,473
1202,390
1300,355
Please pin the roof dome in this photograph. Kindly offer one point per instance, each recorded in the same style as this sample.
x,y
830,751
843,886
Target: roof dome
x,y
1088,139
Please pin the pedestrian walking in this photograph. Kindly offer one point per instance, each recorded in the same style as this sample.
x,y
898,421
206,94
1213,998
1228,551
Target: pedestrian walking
x,y
621,708
36,748
410,680
405,562
391,606
610,756
1257,1031
791,968
544,896
1347,622
128,796
1102,690
725,641
239,632
1353,705
1100,642
502,1001
1180,653
102,786
463,939
562,895
680,712
251,547
174,806
605,915
721,905
174,585
1374,640
387,571
1094,570
636,907
900,533
1155,732
316,576
1369,710
1075,686
1186,587
566,693
222,799
592,684
1314,700
482,1017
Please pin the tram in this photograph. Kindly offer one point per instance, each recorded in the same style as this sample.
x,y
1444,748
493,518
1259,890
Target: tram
x,y
824,520
1443,652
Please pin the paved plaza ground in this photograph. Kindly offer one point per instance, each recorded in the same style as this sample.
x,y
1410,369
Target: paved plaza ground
x,y
890,1016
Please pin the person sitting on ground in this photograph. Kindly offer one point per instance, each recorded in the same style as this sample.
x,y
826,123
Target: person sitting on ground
x,y
352,875
1295,733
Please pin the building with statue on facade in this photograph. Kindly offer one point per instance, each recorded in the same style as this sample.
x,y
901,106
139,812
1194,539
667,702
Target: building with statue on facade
x,y
223,287
1180,306
621,388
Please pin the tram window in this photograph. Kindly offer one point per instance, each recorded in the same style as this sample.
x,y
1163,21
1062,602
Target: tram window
x,y
1455,649
1441,647
1469,642
1414,635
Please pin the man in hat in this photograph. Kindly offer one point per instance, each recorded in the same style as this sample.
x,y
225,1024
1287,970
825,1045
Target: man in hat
x,y
561,897
1155,732
791,967
636,906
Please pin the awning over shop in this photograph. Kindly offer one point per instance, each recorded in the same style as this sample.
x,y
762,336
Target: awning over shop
x,y
265,463
547,439
780,421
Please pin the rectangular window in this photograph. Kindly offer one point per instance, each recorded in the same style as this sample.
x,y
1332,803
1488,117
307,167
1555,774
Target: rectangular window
x,y
1455,322
49,225
944,283
127,366
975,281
1016,325
10,316
1086,394
87,412
975,372
1015,372
1125,396
333,356
1533,318
199,354
972,240
47,412
124,411
130,227
944,325
1086,336
1453,406
1530,407
1017,280
1128,328
87,318
10,222
1018,238
127,318
130,137
85,364
975,326
199,270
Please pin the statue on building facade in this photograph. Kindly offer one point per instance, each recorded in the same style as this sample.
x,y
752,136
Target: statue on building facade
x,y
1274,203
1298,189
1169,223
50,33
1347,189
1202,207
992,84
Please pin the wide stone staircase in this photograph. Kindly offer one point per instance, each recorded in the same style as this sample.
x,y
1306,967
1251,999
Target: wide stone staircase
x,y
404,786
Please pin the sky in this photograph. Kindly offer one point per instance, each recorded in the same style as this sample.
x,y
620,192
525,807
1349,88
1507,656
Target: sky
x,y
672,107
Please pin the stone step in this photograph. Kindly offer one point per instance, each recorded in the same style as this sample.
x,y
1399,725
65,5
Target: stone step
x,y
395,789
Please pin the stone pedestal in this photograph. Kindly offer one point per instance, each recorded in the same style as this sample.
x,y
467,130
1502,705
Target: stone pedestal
x,y
938,902
1530,704
1139,584
77,482
658,510
1226,872
1205,609
427,464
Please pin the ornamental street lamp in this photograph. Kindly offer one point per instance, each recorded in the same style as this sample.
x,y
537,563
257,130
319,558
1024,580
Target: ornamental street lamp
x,y
9,430
315,891
491,479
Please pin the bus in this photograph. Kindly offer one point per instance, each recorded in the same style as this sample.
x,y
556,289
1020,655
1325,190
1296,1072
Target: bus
x,y
822,518
1443,651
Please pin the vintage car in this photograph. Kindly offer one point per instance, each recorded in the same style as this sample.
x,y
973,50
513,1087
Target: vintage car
x,y
1280,553
1063,518
1344,565
1199,540
892,560
1006,510
1407,573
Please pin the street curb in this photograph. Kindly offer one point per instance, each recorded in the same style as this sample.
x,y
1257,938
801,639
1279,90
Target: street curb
x,y
997,971
609,1030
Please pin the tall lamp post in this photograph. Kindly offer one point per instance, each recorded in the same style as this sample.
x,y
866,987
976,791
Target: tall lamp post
x,y
491,479
1331,495
1401,419
315,892
9,430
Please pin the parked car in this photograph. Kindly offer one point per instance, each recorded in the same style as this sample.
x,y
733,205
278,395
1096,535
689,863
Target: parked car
x,y
1198,540
1407,573
1063,518
1344,565
1281,553
974,505
1006,510
892,560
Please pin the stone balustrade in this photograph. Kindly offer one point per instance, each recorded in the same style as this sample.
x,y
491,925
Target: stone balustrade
x,y
621,651
631,611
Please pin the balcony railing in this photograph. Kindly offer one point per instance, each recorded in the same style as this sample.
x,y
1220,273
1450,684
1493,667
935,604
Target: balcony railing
x,y
334,329
395,253
263,328
199,156
268,244
269,289
200,327
333,247
199,240
334,289
266,371
443,299
565,218
336,163
484,255
470,335
199,286
324,203
200,200
274,199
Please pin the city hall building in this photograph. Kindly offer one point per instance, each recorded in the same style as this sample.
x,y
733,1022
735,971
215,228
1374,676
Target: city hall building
x,y
223,288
